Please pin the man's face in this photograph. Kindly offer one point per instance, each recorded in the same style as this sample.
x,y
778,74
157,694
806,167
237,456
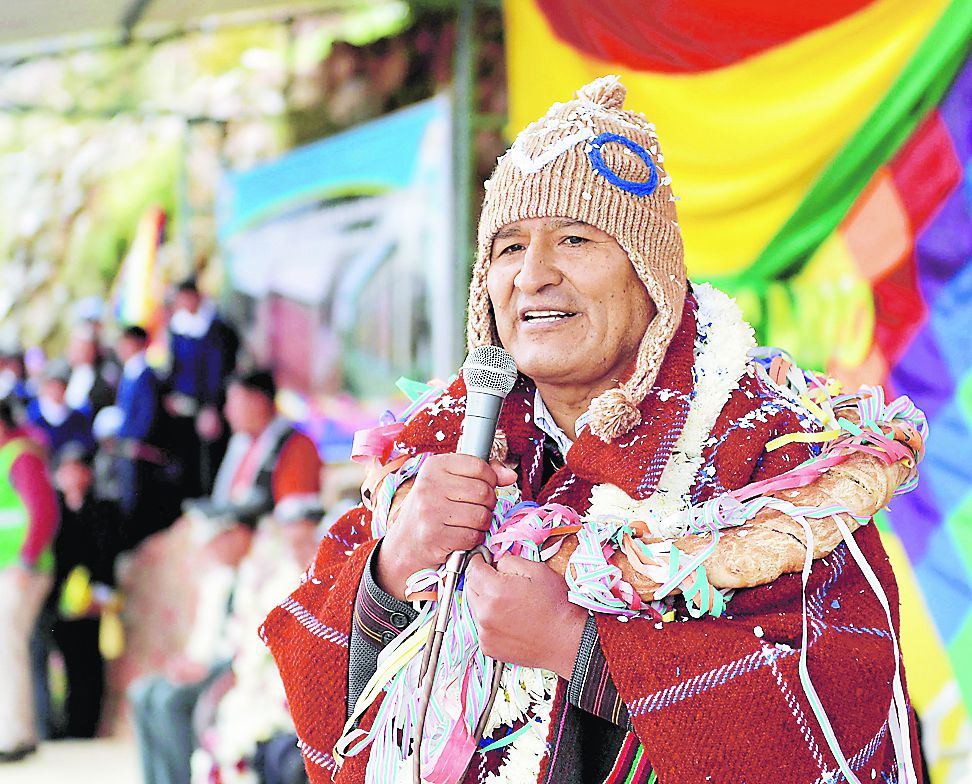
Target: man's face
x,y
128,347
188,301
568,304
54,389
73,476
247,410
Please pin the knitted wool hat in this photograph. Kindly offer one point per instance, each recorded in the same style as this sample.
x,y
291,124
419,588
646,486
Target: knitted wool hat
x,y
593,161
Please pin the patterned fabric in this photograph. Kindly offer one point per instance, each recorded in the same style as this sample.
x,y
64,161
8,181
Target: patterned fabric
x,y
632,763
710,699
591,687
378,619
749,672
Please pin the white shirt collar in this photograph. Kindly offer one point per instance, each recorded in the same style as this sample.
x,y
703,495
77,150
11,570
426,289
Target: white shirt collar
x,y
55,413
193,325
79,386
135,365
545,421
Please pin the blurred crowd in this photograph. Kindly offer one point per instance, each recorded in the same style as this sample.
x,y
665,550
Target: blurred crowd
x,y
102,452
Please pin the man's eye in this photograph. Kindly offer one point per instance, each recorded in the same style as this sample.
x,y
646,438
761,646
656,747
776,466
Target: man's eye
x,y
575,240
514,248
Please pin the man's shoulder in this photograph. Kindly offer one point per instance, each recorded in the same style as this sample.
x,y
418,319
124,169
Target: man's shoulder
x,y
757,398
740,448
298,443
435,425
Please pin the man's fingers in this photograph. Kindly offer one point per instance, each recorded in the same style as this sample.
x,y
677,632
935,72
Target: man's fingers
x,y
459,538
515,565
478,575
471,491
504,476
462,515
469,466
493,473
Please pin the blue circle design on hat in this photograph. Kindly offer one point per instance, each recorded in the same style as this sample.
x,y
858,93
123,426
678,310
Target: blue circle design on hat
x,y
645,188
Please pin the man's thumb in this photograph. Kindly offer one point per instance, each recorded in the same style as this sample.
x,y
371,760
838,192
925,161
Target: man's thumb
x,y
504,476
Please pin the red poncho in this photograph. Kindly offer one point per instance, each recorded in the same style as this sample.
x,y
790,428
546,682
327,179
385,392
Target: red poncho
x,y
712,700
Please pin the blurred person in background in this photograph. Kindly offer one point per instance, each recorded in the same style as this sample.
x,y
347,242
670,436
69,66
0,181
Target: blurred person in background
x,y
54,424
202,350
14,385
249,727
268,464
85,549
28,522
51,414
268,461
129,433
93,381
163,704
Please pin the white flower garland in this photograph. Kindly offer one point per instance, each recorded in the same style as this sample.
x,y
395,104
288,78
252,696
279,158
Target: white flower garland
x,y
721,358
535,689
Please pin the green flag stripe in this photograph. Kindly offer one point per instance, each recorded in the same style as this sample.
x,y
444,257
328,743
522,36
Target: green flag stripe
x,y
918,89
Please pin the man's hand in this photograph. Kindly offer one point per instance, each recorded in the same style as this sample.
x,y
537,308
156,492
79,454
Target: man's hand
x,y
448,508
522,613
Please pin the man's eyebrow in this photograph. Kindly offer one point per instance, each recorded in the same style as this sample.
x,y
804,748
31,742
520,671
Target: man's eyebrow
x,y
509,231
512,231
566,223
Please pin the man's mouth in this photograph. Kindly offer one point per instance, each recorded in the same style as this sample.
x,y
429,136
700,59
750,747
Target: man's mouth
x,y
545,316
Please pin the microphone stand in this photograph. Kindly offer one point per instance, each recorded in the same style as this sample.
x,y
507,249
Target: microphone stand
x,y
455,566
489,373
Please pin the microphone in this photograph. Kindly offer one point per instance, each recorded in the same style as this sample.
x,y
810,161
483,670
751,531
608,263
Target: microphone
x,y
490,374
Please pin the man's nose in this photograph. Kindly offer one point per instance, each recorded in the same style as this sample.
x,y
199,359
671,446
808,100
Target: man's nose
x,y
538,270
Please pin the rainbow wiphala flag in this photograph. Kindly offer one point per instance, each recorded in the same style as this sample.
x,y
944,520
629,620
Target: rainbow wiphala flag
x,y
823,156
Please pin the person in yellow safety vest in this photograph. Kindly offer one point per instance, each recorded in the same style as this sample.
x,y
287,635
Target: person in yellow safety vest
x,y
28,522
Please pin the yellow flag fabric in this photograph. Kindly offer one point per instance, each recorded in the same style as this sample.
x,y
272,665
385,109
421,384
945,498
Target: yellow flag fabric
x,y
743,143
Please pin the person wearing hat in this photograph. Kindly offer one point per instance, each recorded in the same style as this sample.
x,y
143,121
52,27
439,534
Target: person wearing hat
x,y
51,415
635,390
163,703
250,727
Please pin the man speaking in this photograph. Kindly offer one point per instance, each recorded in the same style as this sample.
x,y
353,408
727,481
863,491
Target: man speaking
x,y
636,392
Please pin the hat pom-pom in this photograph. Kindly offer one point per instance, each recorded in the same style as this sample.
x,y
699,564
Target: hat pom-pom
x,y
607,92
613,415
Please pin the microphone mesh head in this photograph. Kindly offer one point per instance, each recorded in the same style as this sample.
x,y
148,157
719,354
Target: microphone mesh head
x,y
489,369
